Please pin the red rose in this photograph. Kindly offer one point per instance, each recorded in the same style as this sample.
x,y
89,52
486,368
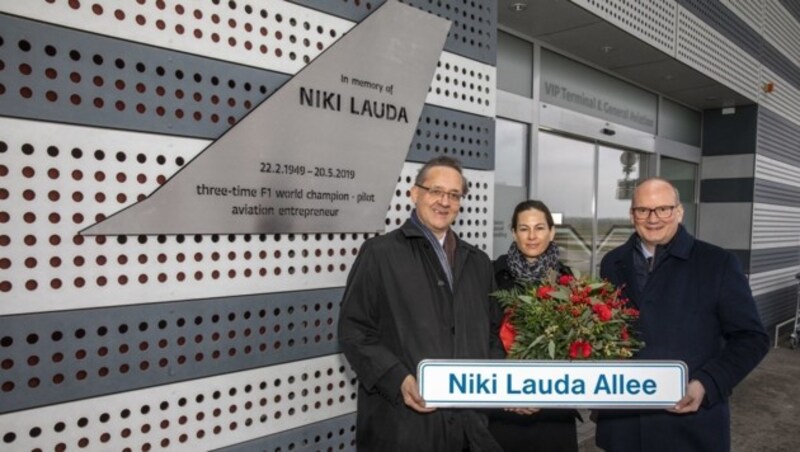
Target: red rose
x,y
580,349
577,298
564,280
507,332
544,292
624,334
573,349
587,349
602,311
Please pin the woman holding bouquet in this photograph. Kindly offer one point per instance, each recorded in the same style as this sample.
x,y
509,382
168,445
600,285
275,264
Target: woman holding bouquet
x,y
529,260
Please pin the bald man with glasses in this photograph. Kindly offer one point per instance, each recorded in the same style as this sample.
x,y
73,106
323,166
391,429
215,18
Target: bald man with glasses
x,y
695,306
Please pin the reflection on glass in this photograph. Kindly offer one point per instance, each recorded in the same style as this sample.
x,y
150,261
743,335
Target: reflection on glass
x,y
511,149
684,176
564,180
618,172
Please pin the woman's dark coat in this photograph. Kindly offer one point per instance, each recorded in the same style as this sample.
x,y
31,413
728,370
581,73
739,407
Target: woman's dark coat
x,y
398,309
696,306
549,430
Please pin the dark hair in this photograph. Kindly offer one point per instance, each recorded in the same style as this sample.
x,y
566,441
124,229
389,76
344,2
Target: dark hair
x,y
449,162
532,204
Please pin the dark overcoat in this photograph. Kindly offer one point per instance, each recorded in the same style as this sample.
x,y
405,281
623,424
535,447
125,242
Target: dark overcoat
x,y
398,309
696,306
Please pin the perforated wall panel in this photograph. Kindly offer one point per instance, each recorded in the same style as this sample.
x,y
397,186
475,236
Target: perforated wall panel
x,y
775,226
332,434
62,356
792,7
201,414
186,342
777,137
726,22
653,21
442,131
770,281
142,86
274,35
774,258
57,179
474,23
777,305
778,172
741,33
463,84
782,30
56,74
785,100
750,11
705,49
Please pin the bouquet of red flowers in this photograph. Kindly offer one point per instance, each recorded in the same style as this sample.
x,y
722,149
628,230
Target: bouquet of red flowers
x,y
567,317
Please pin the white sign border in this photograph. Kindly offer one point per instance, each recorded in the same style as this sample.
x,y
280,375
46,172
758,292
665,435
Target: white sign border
x,y
682,367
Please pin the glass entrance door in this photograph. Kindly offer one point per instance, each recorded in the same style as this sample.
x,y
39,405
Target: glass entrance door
x,y
618,171
564,180
590,185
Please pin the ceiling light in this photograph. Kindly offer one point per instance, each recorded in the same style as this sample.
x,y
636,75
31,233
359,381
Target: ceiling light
x,y
518,7
607,49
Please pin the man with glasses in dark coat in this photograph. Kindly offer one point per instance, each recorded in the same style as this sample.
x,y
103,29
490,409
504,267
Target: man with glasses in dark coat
x,y
696,306
416,293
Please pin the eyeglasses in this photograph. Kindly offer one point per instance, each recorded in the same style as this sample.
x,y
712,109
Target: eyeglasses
x,y
436,192
643,213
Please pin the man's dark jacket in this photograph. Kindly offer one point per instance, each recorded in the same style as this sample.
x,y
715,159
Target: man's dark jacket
x,y
696,306
398,309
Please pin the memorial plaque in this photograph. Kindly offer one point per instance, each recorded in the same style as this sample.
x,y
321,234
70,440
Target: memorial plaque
x,y
322,154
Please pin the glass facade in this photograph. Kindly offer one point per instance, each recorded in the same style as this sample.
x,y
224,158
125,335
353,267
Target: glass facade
x,y
584,174
510,177
564,180
683,176
590,185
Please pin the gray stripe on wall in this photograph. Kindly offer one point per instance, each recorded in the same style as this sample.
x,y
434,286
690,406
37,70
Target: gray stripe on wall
x,y
775,307
778,138
769,192
727,190
164,89
764,260
725,21
731,133
793,6
338,433
726,224
727,166
473,33
92,352
442,131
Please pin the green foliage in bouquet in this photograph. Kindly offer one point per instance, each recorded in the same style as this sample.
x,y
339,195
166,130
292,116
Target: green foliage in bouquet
x,y
568,317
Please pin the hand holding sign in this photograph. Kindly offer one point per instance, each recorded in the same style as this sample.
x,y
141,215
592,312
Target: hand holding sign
x,y
695,392
411,397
